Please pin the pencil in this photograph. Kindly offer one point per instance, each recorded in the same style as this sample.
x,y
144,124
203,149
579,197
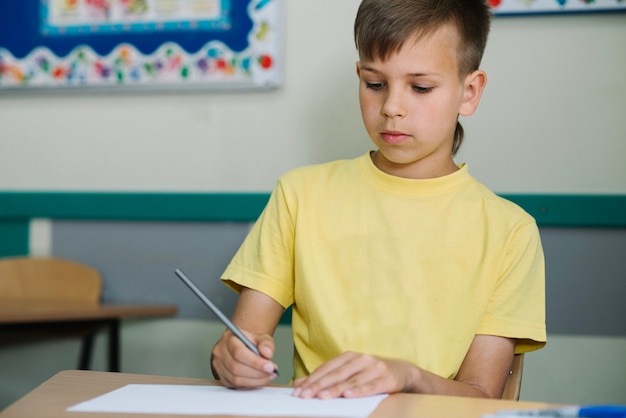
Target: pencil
x,y
232,327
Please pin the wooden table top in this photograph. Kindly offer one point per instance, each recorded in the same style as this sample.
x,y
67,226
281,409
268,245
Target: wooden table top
x,y
67,388
21,312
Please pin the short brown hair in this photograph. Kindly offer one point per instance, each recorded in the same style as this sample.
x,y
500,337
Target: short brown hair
x,y
382,27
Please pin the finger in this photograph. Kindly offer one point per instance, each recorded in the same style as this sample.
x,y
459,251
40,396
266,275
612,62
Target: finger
x,y
237,366
307,381
363,382
265,345
330,366
237,376
237,373
383,376
359,375
327,377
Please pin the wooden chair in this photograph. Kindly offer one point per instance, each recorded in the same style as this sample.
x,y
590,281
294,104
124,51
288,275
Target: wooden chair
x,y
514,380
31,280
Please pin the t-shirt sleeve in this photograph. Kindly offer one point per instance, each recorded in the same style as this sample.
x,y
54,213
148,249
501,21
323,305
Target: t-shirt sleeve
x,y
264,262
517,307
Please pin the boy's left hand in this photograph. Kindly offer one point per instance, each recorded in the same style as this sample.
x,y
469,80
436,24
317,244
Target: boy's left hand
x,y
352,375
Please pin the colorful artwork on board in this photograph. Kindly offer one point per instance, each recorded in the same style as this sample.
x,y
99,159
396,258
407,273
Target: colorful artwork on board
x,y
503,7
65,17
170,64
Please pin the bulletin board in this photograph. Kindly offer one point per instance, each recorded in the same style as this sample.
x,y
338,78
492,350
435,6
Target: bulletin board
x,y
521,7
180,44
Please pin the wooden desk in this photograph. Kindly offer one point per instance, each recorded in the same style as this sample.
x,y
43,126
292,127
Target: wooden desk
x,y
24,320
68,388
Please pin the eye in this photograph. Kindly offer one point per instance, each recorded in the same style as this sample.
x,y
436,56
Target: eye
x,y
375,86
422,89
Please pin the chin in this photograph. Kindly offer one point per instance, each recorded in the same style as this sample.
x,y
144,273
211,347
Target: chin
x,y
398,157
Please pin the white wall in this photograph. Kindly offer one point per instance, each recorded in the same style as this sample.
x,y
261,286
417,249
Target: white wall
x,y
551,119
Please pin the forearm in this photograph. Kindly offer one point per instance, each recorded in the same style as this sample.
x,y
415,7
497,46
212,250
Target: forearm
x,y
423,381
482,374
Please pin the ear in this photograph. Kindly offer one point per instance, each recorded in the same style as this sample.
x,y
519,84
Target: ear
x,y
475,83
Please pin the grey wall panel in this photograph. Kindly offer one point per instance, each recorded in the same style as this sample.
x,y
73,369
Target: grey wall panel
x,y
585,268
585,280
137,259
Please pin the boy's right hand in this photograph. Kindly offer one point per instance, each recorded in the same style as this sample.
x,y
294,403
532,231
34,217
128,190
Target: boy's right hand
x,y
236,366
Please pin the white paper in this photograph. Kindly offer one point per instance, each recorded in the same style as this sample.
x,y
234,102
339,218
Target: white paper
x,y
217,400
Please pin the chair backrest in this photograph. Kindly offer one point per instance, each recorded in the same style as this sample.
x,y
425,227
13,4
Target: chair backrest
x,y
48,280
514,380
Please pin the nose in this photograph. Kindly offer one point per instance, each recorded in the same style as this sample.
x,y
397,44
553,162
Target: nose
x,y
393,105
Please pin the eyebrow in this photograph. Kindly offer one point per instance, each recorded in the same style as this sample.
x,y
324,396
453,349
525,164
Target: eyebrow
x,y
375,71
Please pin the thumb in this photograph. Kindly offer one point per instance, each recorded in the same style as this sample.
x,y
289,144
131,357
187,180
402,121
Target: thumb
x,y
265,344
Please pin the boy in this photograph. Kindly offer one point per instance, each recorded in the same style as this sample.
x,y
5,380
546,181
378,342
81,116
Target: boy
x,y
405,274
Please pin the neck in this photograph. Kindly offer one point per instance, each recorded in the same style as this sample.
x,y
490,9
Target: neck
x,y
414,170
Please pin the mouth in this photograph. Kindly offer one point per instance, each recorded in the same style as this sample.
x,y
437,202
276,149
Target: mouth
x,y
393,137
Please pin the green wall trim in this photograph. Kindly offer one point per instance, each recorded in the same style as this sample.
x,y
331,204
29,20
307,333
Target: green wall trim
x,y
201,207
548,210
17,208
574,210
14,237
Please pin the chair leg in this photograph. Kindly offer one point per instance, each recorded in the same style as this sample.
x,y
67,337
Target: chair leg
x,y
114,345
84,361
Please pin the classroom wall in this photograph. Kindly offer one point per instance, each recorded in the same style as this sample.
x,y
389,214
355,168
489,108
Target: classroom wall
x,y
551,121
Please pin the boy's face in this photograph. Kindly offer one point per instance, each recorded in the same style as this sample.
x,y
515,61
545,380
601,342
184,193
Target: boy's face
x,y
410,104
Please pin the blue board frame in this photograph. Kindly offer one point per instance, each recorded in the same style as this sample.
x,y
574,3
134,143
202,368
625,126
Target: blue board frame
x,y
241,50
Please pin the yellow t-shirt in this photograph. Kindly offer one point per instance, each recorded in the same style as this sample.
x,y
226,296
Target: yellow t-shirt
x,y
395,267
